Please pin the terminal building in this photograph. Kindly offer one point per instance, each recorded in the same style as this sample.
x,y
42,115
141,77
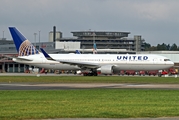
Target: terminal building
x,y
108,42
115,42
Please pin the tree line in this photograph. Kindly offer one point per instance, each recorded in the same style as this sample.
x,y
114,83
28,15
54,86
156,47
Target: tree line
x,y
161,47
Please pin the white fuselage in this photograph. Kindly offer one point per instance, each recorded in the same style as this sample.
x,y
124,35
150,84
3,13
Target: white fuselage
x,y
120,61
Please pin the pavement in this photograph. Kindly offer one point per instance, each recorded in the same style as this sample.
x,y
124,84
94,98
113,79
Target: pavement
x,y
69,86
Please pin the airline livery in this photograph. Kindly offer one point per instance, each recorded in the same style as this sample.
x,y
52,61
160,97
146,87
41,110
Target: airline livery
x,y
106,63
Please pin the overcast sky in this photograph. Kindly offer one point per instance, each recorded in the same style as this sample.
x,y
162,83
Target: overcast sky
x,y
157,21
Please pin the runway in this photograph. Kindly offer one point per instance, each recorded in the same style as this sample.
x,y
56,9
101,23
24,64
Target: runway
x,y
70,74
70,86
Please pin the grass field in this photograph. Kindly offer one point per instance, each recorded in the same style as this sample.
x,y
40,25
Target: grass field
x,y
95,103
88,103
89,79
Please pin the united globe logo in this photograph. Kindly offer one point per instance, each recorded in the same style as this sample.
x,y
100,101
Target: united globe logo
x,y
26,48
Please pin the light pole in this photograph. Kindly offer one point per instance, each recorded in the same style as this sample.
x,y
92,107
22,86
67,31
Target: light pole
x,y
94,44
35,38
94,37
3,34
39,40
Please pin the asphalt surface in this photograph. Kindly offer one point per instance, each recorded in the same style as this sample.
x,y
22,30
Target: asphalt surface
x,y
69,86
65,74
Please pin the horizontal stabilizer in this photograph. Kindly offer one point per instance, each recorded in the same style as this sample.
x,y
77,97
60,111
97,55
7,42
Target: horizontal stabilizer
x,y
18,58
24,59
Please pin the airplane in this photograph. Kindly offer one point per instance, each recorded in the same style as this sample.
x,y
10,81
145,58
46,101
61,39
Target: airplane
x,y
106,63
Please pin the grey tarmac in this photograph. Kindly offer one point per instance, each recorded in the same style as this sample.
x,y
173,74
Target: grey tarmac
x,y
69,86
60,86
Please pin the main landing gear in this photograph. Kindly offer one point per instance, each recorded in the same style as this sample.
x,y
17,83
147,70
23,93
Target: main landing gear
x,y
91,73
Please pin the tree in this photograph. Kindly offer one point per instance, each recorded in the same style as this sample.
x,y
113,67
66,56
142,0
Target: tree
x,y
162,47
174,47
168,47
147,46
153,48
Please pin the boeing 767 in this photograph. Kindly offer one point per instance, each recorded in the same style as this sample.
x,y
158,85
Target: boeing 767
x,y
106,63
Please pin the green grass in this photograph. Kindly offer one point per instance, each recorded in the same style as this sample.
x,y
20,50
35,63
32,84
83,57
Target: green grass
x,y
95,103
89,79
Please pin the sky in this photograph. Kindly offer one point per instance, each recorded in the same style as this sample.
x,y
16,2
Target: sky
x,y
157,21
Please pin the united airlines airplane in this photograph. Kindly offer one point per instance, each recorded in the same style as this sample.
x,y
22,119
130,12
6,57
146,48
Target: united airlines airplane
x,y
106,63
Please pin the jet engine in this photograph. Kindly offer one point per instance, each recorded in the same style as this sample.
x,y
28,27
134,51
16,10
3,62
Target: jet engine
x,y
107,69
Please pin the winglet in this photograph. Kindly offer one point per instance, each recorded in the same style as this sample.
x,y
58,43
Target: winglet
x,y
78,52
46,55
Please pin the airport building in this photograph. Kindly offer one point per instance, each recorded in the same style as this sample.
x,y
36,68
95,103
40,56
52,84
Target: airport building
x,y
111,42
117,41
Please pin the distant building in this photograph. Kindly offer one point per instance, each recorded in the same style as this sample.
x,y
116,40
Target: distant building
x,y
58,36
107,40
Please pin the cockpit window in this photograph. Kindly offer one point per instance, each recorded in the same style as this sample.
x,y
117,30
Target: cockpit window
x,y
166,59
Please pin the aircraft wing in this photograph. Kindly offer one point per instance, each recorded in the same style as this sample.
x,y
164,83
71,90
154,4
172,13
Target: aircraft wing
x,y
80,64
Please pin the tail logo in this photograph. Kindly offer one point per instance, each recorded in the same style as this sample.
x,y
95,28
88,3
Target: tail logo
x,y
26,48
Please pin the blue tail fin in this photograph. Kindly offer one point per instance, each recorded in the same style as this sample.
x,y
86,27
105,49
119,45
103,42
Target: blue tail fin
x,y
94,48
23,46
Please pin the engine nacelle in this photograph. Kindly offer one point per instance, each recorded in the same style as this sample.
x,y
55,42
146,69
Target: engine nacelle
x,y
107,69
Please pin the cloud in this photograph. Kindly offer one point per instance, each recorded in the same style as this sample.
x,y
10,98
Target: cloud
x,y
153,19
156,10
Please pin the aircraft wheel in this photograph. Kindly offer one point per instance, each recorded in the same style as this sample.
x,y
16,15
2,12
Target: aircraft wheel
x,y
160,75
95,74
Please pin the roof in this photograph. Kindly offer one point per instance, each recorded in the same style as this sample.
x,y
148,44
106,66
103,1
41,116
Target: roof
x,y
100,33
